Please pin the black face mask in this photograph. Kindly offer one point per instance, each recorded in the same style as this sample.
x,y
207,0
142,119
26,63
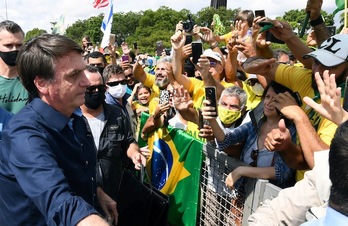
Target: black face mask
x,y
101,69
9,57
94,100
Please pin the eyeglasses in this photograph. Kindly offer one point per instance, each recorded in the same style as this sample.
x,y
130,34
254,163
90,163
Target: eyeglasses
x,y
115,83
213,63
252,82
253,155
93,89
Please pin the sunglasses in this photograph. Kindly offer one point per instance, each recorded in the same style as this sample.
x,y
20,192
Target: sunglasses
x,y
93,89
213,63
253,156
115,83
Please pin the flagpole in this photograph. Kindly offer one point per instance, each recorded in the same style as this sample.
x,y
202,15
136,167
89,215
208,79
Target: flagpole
x,y
345,13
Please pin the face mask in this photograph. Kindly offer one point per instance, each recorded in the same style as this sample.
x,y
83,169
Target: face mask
x,y
94,100
228,116
101,69
257,89
9,57
117,91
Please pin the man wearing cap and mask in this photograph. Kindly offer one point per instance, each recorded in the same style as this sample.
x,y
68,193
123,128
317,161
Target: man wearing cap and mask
x,y
13,95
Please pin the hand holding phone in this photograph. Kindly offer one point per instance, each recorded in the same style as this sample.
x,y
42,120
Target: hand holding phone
x,y
210,94
125,58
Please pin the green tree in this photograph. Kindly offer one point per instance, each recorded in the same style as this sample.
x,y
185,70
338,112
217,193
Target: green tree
x,y
90,27
155,26
33,33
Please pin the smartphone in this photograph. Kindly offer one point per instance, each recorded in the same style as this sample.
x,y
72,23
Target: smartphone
x,y
270,37
159,48
112,39
210,94
167,51
297,97
197,51
260,13
345,97
135,45
164,97
188,39
125,58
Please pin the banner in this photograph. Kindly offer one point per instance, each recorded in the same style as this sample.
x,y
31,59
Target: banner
x,y
175,167
106,25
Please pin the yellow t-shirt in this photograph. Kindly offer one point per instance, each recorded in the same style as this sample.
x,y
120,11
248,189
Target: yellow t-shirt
x,y
227,37
252,99
299,80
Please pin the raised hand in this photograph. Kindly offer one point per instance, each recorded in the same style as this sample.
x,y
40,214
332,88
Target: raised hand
x,y
330,95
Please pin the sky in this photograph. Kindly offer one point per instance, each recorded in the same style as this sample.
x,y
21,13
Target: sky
x,y
39,13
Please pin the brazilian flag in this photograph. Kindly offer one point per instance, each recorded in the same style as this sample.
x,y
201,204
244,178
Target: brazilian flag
x,y
175,167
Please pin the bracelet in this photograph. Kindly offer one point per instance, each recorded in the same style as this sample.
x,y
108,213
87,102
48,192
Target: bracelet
x,y
112,56
317,21
214,45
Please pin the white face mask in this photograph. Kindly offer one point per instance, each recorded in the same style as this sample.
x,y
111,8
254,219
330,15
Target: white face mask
x,y
257,89
117,91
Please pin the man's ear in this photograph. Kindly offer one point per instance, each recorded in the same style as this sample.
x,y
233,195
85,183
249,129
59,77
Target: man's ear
x,y
41,85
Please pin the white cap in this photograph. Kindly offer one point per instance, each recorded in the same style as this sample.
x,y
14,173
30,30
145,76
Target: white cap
x,y
211,54
331,52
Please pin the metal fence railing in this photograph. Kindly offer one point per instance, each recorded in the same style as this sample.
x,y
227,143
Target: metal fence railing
x,y
221,206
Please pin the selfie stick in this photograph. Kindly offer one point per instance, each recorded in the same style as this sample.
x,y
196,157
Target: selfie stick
x,y
304,25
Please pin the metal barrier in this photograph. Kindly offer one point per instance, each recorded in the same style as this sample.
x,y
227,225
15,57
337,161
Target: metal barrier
x,y
219,205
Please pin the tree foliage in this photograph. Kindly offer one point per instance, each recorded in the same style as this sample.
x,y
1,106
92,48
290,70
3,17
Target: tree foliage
x,y
33,33
147,27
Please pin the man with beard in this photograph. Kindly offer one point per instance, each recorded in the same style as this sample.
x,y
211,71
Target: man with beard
x,y
315,132
112,134
13,95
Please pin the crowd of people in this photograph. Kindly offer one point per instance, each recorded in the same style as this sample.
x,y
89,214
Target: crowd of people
x,y
70,119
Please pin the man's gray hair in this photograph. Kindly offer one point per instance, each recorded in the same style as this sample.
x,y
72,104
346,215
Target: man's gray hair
x,y
235,91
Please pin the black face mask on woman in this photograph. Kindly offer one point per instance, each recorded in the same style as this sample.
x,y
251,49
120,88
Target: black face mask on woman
x,y
9,57
94,100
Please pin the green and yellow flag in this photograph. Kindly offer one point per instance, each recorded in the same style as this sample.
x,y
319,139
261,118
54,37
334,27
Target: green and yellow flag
x,y
175,167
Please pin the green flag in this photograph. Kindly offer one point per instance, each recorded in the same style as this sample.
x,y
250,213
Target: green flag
x,y
175,167
340,6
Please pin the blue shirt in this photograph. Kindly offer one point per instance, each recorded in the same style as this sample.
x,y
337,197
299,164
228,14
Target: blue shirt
x,y
5,116
247,134
47,177
332,217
